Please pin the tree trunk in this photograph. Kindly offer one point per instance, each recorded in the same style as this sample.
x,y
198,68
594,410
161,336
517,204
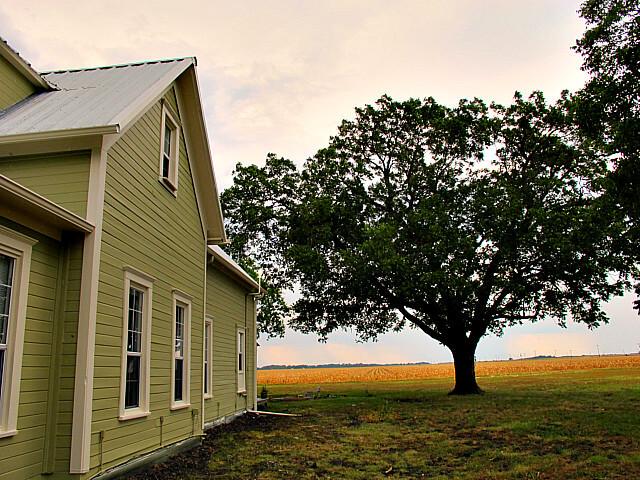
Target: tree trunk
x,y
464,364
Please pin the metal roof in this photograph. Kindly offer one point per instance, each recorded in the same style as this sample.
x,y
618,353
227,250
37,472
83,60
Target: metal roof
x,y
91,98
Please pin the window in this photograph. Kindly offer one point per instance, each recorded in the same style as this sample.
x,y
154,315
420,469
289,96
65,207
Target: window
x,y
136,344
208,356
15,264
134,348
169,142
241,361
181,350
6,284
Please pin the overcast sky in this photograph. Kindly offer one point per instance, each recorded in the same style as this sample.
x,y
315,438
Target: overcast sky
x,y
279,76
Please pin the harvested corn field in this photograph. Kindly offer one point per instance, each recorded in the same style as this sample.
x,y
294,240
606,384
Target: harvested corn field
x,y
441,370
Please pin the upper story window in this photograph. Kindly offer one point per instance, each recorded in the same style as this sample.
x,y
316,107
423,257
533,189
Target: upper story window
x,y
136,331
169,151
15,265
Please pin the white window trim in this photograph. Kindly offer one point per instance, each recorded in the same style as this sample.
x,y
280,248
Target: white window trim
x,y
207,372
17,246
136,278
241,368
184,300
169,117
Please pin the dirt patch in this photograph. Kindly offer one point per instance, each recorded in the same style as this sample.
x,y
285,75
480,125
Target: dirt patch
x,y
195,462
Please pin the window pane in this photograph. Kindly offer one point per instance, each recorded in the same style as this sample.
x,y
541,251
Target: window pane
x,y
177,393
206,379
6,270
132,389
207,333
134,334
1,371
165,166
6,279
179,345
167,140
207,327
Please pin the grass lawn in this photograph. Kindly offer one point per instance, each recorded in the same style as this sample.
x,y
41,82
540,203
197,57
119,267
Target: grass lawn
x,y
556,425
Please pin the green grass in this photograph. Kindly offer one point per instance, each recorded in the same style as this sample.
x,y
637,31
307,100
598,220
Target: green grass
x,y
569,425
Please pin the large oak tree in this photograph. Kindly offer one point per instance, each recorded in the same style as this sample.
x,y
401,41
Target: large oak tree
x,y
459,221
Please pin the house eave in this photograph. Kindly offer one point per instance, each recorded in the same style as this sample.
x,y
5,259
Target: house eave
x,y
14,198
200,154
59,134
221,258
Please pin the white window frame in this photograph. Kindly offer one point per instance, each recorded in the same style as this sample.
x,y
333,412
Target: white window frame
x,y
207,358
241,359
169,119
181,299
134,278
18,247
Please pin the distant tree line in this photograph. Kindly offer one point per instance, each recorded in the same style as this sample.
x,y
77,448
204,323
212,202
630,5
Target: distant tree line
x,y
337,365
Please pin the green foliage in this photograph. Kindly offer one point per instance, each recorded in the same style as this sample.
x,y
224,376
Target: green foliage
x,y
461,221
398,215
255,209
607,109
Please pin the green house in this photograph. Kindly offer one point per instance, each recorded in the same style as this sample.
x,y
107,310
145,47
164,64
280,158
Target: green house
x,y
125,330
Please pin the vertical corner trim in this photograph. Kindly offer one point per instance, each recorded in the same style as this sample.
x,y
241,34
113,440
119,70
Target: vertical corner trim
x,y
85,349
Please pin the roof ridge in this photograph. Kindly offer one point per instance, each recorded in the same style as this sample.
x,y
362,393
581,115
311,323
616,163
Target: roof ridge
x,y
119,65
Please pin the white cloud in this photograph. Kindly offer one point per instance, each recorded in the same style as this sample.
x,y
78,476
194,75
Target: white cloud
x,y
279,76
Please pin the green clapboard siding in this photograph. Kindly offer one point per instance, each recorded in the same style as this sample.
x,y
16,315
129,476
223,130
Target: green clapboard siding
x,y
61,178
148,228
226,303
13,86
22,455
66,359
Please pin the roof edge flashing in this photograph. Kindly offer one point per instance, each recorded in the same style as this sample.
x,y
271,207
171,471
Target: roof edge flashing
x,y
119,65
221,256
58,134
23,67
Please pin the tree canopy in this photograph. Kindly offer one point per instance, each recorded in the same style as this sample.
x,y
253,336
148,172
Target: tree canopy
x,y
607,109
256,207
460,221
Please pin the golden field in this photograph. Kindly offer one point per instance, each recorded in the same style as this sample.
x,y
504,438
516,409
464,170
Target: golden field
x,y
441,370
